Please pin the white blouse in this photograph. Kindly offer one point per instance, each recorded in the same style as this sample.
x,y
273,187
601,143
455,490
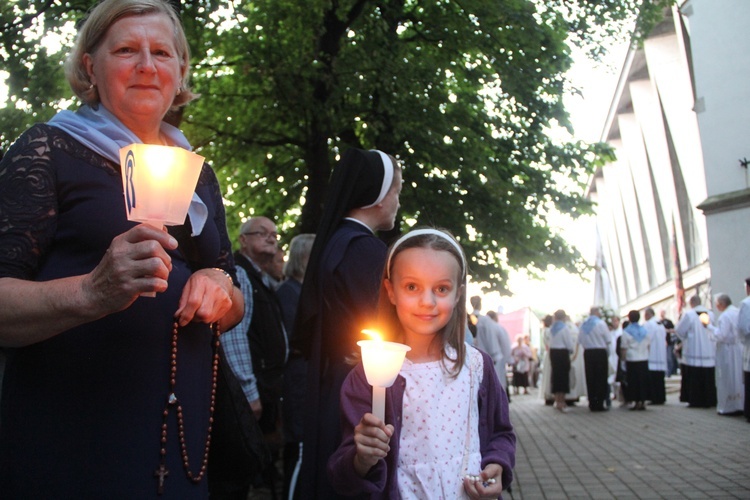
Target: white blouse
x,y
636,351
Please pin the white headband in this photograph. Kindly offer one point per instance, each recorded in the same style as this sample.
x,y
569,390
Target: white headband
x,y
420,232
387,177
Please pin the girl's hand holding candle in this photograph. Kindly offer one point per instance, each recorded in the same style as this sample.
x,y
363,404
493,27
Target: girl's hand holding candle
x,y
372,438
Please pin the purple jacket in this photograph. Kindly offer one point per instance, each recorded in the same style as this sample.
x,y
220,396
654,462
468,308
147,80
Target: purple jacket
x,y
496,438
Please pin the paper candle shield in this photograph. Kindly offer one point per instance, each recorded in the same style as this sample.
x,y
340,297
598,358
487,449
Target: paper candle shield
x,y
158,182
382,361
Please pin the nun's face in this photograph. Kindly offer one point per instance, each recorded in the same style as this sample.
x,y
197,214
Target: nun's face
x,y
390,203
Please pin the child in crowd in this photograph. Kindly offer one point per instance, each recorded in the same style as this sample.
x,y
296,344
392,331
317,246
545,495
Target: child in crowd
x,y
521,354
448,433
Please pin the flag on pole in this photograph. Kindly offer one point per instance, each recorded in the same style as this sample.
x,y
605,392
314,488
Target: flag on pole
x,y
679,295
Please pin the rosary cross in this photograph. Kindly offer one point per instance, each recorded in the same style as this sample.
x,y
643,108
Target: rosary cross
x,y
162,473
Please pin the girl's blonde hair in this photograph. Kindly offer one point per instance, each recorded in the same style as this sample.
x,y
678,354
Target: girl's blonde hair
x,y
95,27
454,332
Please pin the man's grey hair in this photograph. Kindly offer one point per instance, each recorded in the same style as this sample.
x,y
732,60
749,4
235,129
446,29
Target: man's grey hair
x,y
723,299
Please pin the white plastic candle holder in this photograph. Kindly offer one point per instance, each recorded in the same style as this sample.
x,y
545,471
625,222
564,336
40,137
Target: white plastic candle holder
x,y
382,361
158,182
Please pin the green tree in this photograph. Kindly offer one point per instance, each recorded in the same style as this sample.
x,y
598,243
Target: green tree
x,y
463,92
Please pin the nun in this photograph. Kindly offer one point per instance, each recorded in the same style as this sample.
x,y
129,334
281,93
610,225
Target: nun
x,y
338,299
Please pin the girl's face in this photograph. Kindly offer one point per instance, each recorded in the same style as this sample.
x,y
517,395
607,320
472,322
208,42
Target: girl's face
x,y
424,288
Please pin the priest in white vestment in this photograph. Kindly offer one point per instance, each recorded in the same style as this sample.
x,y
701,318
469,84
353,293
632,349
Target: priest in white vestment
x,y
743,330
492,339
730,391
698,354
614,359
657,357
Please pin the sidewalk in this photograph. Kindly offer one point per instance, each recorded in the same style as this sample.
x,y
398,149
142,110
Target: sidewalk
x,y
668,451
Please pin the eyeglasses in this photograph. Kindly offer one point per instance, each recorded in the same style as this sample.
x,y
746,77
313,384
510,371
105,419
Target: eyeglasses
x,y
263,234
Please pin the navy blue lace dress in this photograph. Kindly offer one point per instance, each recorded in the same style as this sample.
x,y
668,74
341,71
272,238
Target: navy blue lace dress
x,y
82,412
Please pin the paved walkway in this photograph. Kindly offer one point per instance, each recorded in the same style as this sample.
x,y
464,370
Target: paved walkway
x,y
668,451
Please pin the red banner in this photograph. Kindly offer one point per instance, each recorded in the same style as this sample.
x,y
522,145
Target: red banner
x,y
679,294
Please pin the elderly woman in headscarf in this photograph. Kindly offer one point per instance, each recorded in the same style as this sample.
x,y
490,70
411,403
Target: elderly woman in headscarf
x,y
339,296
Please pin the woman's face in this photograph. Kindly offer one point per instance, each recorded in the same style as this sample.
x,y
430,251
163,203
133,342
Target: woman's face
x,y
136,69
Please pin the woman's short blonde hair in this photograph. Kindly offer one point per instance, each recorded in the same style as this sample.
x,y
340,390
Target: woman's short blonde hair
x,y
95,27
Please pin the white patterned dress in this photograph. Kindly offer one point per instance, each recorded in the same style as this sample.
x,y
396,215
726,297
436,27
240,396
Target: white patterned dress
x,y
440,432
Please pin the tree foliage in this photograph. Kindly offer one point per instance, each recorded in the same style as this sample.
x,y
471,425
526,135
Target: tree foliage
x,y
463,92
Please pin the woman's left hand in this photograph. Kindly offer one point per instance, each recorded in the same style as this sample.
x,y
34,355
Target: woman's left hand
x,y
484,489
206,298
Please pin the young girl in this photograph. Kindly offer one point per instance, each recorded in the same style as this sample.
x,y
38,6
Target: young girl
x,y
448,431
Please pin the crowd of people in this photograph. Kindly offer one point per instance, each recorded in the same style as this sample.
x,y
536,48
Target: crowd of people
x,y
150,362
630,361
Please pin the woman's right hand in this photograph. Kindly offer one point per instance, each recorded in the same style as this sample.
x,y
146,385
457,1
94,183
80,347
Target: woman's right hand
x,y
136,262
371,436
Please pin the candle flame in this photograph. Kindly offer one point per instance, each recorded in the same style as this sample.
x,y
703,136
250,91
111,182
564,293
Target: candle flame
x,y
162,161
374,334
705,319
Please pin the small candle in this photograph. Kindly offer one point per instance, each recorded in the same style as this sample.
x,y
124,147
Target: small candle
x,y
382,361
705,318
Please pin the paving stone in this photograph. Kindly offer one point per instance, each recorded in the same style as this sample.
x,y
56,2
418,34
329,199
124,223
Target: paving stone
x,y
668,451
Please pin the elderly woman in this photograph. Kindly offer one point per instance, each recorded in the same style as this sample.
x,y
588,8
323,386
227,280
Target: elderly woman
x,y
560,347
294,272
108,393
